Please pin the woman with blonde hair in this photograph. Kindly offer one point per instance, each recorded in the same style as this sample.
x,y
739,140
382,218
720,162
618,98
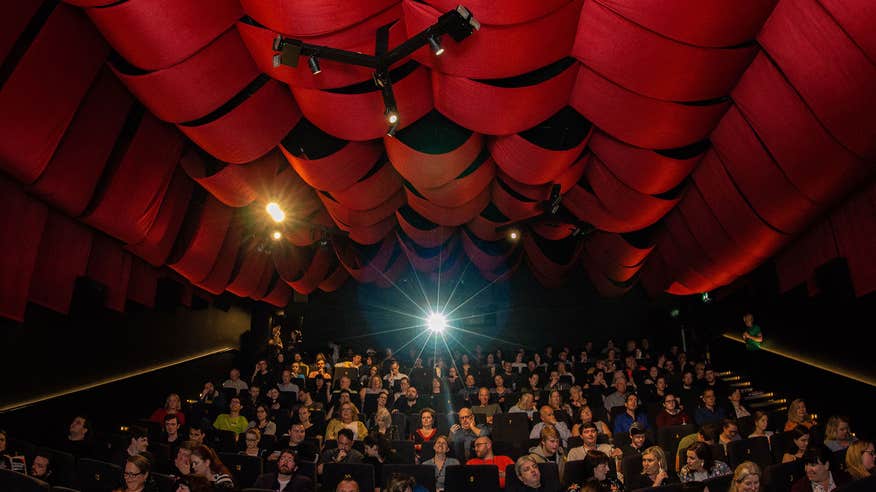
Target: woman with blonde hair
x,y
347,419
837,434
654,470
746,478
860,459
797,415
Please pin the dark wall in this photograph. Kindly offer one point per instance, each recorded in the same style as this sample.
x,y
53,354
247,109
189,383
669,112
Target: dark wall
x,y
51,352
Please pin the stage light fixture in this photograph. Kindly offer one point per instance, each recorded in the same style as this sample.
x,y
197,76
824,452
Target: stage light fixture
x,y
513,234
436,322
313,62
435,43
275,212
276,235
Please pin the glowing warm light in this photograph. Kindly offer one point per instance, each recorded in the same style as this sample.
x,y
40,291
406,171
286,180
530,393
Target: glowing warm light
x,y
276,235
436,322
392,118
514,235
275,212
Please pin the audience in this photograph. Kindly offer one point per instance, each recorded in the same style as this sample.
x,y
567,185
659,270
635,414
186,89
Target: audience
x,y
484,456
441,461
700,464
286,478
799,438
797,415
818,475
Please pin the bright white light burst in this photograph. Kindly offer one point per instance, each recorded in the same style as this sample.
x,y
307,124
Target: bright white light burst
x,y
436,322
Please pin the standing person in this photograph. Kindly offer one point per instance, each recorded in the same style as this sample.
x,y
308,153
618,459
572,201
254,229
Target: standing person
x,y
485,456
441,461
752,334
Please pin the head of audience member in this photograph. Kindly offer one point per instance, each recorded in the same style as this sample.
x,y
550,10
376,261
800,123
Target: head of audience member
x,y
182,460
376,445
138,440
469,381
297,433
670,403
196,434
797,411
234,374
546,413
585,414
729,430
699,457
136,473
286,463
637,435
347,485
286,376
206,463
653,460
549,440
403,384
709,433
709,375
860,459
255,392
375,383
234,405
484,396
746,478
79,428
427,418
555,400
599,463
527,471
172,403
483,446
589,434
252,438
345,382
761,421
631,403
41,467
348,413
687,379
399,482
708,398
620,385
411,394
837,429
345,440
393,368
660,384
816,463
800,437
171,425
442,446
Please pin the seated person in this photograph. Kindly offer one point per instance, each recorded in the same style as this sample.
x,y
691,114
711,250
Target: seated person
x,y
526,469
549,449
761,423
837,434
585,415
344,453
303,449
441,461
700,464
286,478
746,478
197,434
347,485
637,444
263,422
41,467
623,421
464,433
170,433
484,456
235,382
525,404
427,431
800,439
708,411
232,421
589,445
172,404
860,460
378,451
206,464
484,407
797,415
672,412
654,470
735,408
818,475
78,440
138,444
347,419
182,459
407,403
729,432
707,434
547,418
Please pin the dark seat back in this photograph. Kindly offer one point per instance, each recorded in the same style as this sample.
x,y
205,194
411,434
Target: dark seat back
x,y
865,485
780,477
577,472
164,482
245,469
756,449
472,478
405,451
63,466
95,475
423,474
510,428
718,483
668,437
11,481
631,466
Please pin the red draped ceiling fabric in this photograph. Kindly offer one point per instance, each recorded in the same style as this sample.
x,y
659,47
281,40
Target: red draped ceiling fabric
x,y
678,145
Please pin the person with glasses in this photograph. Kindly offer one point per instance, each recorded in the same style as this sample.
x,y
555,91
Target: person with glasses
x,y
860,459
484,456
465,432
729,432
672,413
136,473
253,436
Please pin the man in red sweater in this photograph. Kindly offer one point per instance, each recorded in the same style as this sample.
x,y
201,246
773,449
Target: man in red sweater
x,y
484,451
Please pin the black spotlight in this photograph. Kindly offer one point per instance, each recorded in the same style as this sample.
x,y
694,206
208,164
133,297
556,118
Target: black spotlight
x,y
313,62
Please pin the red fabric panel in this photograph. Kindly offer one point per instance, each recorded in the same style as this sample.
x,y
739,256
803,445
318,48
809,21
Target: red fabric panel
x,y
568,178
855,226
70,178
21,229
372,234
428,238
529,163
362,218
287,189
654,276
550,272
362,269
144,283
371,191
155,34
461,190
311,17
393,273
235,186
708,263
673,253
513,207
201,253
756,239
474,104
691,263
793,135
507,12
614,249
426,170
110,265
758,177
279,296
485,229
315,273
426,263
529,192
129,203
303,233
337,171
615,207
334,280
639,120
605,286
643,170
856,17
552,229
90,3
254,275
14,20
449,216
796,263
534,42
717,23
155,248
220,274
358,38
198,85
450,270
37,109
711,235
828,70
251,129
652,65
63,255
363,113
483,260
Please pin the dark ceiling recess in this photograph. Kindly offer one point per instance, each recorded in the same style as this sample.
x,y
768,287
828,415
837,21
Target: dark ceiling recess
x,y
675,148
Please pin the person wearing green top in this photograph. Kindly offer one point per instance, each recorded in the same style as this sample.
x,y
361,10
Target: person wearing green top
x,y
752,335
232,421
